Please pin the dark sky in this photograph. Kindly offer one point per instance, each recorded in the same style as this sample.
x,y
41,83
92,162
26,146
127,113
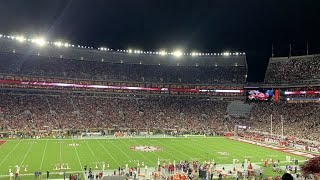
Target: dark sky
x,y
203,25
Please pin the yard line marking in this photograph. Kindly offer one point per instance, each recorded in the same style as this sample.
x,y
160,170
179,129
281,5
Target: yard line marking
x,y
108,153
25,156
77,155
173,149
174,157
10,153
60,153
208,146
239,154
92,151
44,152
140,152
121,151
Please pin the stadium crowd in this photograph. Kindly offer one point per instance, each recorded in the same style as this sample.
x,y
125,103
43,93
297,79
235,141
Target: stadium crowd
x,y
185,114
58,67
293,70
300,120
64,111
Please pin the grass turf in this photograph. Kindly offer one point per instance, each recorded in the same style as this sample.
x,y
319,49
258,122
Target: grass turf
x,y
44,154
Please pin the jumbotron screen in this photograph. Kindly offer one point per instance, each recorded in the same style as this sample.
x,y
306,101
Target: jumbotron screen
x,y
260,94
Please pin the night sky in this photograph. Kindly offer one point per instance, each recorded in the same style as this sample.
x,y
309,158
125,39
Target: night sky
x,y
249,26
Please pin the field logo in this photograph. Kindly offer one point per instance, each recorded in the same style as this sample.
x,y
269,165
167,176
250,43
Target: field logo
x,y
224,153
145,148
74,145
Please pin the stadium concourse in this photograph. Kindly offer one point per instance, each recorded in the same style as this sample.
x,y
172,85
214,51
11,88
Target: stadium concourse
x,y
62,92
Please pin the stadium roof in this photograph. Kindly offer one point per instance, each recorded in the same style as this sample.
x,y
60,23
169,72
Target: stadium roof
x,y
41,47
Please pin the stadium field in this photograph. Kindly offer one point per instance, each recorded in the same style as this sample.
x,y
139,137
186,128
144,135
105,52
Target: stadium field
x,y
48,154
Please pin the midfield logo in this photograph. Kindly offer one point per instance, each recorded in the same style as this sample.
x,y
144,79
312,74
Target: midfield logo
x,y
145,148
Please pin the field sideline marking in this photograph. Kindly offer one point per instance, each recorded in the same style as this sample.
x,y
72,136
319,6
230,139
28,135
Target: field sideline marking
x,y
267,146
25,156
108,153
114,138
10,153
44,152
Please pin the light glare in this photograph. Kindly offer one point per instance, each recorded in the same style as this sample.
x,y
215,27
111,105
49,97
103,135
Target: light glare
x,y
177,53
39,41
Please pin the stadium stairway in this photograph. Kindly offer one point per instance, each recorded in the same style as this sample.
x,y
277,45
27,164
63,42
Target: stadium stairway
x,y
239,109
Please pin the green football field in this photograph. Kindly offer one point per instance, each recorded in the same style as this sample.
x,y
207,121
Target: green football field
x,y
48,154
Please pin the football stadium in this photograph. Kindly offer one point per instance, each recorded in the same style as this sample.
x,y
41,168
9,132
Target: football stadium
x,y
75,111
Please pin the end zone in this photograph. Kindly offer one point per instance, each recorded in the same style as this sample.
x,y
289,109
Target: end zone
x,y
2,142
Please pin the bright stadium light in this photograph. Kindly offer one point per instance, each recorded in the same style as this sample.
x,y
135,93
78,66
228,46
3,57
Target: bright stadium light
x,y
178,53
163,53
58,43
237,53
39,41
20,38
226,53
130,51
193,54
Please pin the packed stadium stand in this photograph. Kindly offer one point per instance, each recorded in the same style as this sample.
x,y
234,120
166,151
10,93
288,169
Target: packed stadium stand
x,y
79,112
25,59
300,120
50,88
239,109
295,69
